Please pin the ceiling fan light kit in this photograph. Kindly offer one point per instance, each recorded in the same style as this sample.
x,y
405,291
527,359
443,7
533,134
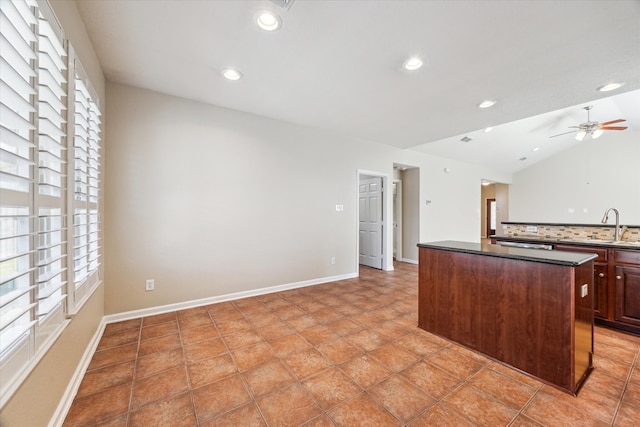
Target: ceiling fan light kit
x,y
594,129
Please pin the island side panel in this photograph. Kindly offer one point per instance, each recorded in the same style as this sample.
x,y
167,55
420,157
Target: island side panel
x,y
584,320
515,311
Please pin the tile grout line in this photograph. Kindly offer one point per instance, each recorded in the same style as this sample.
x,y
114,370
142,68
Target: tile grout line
x,y
636,360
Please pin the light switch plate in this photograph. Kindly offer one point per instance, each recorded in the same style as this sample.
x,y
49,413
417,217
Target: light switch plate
x,y
585,290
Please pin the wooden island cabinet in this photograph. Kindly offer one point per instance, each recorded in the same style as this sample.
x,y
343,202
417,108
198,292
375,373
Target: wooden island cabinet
x,y
530,309
616,279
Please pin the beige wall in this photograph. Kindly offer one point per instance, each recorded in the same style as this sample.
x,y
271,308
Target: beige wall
x,y
35,402
410,213
208,201
593,175
502,205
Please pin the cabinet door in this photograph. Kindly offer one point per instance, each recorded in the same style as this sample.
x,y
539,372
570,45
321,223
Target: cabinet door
x,y
627,298
600,287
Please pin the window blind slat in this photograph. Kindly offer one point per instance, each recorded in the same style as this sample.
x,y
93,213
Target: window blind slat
x,y
14,101
14,121
14,143
21,22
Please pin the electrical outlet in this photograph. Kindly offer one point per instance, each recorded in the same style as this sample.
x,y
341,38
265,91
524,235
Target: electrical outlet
x,y
149,285
584,290
333,260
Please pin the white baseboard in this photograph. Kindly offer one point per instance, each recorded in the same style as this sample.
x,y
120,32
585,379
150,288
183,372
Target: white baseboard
x,y
410,261
135,314
74,384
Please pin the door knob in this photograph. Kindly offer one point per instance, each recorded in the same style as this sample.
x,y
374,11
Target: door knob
x,y
618,277
601,275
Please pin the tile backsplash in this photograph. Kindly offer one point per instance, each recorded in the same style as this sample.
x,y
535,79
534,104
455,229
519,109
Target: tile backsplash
x,y
567,232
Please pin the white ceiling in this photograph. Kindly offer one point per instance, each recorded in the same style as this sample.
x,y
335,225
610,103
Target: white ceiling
x,y
336,65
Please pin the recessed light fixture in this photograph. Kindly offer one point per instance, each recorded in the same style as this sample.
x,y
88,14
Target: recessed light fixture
x,y
486,104
522,159
268,21
488,129
536,149
231,74
610,87
412,63
465,139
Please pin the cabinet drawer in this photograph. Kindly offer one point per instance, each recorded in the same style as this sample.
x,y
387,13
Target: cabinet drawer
x,y
601,252
626,257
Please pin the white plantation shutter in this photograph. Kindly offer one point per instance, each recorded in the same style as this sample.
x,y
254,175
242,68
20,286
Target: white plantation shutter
x,y
52,142
49,181
18,76
86,160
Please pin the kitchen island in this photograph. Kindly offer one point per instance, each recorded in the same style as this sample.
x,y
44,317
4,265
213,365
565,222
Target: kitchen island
x,y
528,308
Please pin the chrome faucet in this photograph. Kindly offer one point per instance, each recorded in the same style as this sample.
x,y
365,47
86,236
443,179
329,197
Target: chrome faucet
x,y
619,230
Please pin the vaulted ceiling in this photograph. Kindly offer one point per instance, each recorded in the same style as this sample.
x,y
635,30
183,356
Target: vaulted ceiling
x,y
336,65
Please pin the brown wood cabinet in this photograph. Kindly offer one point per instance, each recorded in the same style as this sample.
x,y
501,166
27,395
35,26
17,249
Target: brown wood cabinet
x,y
534,316
600,277
627,288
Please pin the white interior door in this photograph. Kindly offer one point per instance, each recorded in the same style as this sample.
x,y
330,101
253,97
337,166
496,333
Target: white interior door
x,y
370,231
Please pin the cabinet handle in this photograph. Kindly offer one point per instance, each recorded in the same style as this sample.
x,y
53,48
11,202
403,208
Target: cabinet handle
x,y
618,277
601,275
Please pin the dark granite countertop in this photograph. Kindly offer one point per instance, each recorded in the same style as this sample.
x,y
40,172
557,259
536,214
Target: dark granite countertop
x,y
576,242
571,259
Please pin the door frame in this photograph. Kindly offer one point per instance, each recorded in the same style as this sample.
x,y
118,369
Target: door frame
x,y
387,212
398,218
488,215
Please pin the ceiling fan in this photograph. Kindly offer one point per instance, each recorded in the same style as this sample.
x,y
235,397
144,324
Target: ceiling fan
x,y
594,129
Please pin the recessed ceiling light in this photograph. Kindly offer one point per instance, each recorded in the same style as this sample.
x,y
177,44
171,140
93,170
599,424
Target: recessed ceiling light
x,y
412,63
488,129
610,87
536,149
522,159
268,21
231,74
465,139
486,104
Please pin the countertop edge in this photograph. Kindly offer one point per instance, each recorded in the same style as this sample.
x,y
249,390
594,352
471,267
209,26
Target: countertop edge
x,y
521,254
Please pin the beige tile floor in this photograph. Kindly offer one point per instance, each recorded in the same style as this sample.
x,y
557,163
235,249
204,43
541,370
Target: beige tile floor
x,y
346,353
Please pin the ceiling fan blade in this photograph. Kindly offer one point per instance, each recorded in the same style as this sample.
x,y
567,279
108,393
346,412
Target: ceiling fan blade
x,y
565,133
613,127
612,122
